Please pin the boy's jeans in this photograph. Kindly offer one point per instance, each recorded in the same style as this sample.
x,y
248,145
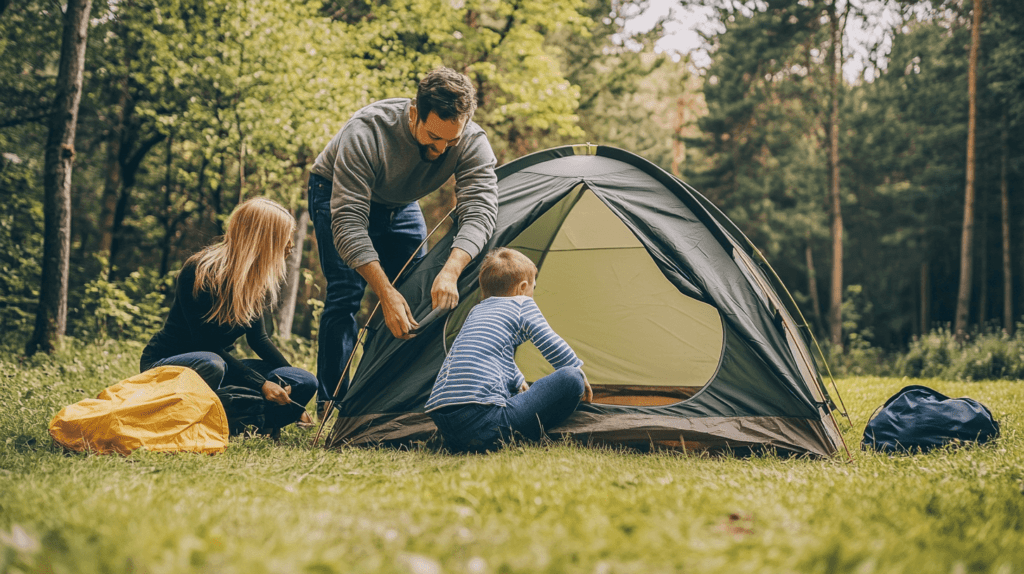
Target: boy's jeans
x,y
395,233
545,404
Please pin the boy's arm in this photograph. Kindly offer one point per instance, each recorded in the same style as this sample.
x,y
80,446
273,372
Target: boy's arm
x,y
555,350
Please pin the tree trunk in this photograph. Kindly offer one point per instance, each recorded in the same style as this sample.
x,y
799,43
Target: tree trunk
x,y
112,179
51,316
812,287
678,147
289,295
313,264
963,300
1004,195
167,216
983,261
120,210
129,171
835,315
926,298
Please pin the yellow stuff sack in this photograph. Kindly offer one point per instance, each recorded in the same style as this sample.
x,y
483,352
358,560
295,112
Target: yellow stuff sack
x,y
165,409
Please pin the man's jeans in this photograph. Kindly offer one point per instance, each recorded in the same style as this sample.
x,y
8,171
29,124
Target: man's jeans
x,y
396,234
544,405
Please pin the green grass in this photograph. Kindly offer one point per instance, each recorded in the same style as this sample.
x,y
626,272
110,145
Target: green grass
x,y
548,508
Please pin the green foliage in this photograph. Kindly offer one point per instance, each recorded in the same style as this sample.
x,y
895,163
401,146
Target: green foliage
x,y
985,356
763,136
29,40
21,248
529,508
132,308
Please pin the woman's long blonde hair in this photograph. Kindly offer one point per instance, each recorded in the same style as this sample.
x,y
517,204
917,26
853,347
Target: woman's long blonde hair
x,y
244,270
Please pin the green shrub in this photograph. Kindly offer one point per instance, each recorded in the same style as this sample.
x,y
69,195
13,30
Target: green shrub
x,y
859,359
982,356
132,308
21,250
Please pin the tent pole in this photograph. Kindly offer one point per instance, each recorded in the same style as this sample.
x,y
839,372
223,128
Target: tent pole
x,y
362,332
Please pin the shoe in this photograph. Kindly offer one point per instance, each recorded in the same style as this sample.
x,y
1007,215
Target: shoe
x,y
305,422
321,411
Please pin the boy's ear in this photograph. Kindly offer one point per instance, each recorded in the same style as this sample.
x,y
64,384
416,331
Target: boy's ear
x,y
522,287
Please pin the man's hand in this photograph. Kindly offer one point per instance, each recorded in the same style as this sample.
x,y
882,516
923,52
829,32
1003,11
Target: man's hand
x,y
397,314
275,394
445,291
588,393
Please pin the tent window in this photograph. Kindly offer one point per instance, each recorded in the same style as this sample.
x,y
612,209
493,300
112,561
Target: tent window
x,y
643,342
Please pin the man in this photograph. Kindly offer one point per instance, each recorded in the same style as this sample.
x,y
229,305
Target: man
x,y
362,198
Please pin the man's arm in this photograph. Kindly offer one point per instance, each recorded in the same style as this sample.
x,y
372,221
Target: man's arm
x,y
476,195
445,291
350,217
397,314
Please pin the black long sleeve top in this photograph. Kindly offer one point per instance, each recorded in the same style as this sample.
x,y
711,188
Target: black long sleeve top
x,y
187,331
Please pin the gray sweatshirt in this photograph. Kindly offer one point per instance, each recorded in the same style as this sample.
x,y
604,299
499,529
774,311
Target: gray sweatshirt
x,y
375,158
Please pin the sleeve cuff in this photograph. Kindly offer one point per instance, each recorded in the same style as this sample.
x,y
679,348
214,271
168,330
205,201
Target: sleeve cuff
x,y
468,246
254,381
358,260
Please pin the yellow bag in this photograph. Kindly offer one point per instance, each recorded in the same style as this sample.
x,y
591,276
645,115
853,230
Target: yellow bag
x,y
165,409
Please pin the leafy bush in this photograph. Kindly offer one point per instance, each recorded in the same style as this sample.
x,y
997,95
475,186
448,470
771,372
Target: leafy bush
x,y
21,249
985,356
132,308
859,359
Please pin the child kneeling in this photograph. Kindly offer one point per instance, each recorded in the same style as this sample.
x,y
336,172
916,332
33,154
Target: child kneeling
x,y
480,397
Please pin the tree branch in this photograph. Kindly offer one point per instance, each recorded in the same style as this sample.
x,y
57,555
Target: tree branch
x,y
23,120
132,164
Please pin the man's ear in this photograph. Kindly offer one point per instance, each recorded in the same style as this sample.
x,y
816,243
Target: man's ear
x,y
414,116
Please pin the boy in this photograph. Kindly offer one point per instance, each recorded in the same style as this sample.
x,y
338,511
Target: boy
x,y
480,396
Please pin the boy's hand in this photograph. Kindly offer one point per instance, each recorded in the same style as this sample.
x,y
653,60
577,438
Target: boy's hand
x,y
524,387
588,393
274,393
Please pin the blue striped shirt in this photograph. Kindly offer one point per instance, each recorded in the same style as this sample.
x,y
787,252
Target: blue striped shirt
x,y
481,368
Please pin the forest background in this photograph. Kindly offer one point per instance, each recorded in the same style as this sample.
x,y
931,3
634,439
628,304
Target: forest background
x,y
888,203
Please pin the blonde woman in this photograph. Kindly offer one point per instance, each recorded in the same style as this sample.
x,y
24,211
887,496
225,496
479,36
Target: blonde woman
x,y
220,295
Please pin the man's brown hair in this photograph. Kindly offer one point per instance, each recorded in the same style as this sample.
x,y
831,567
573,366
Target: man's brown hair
x,y
502,270
447,93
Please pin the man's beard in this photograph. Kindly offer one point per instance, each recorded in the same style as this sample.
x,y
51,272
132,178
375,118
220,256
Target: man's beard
x,y
423,154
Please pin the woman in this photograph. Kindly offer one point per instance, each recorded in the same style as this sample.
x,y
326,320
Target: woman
x,y
220,294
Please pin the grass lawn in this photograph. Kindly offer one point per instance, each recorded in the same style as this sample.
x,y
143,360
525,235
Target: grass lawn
x,y
548,508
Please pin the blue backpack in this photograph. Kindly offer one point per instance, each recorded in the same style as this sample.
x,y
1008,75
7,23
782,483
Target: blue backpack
x,y
921,418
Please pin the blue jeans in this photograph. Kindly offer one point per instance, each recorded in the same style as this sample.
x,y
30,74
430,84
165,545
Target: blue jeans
x,y
396,234
215,372
544,405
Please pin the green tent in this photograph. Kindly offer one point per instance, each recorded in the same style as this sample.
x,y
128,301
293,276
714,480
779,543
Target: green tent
x,y
684,339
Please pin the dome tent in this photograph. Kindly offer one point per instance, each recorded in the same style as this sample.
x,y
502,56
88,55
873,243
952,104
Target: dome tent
x,y
686,343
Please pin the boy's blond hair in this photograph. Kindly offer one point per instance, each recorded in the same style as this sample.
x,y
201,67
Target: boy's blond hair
x,y
502,270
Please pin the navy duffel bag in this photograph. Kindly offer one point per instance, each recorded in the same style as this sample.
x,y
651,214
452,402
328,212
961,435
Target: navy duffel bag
x,y
921,418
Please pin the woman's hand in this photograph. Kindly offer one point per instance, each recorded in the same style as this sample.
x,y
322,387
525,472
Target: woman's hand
x,y
274,393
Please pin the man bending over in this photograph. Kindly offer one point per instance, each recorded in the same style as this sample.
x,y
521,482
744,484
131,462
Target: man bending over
x,y
362,199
